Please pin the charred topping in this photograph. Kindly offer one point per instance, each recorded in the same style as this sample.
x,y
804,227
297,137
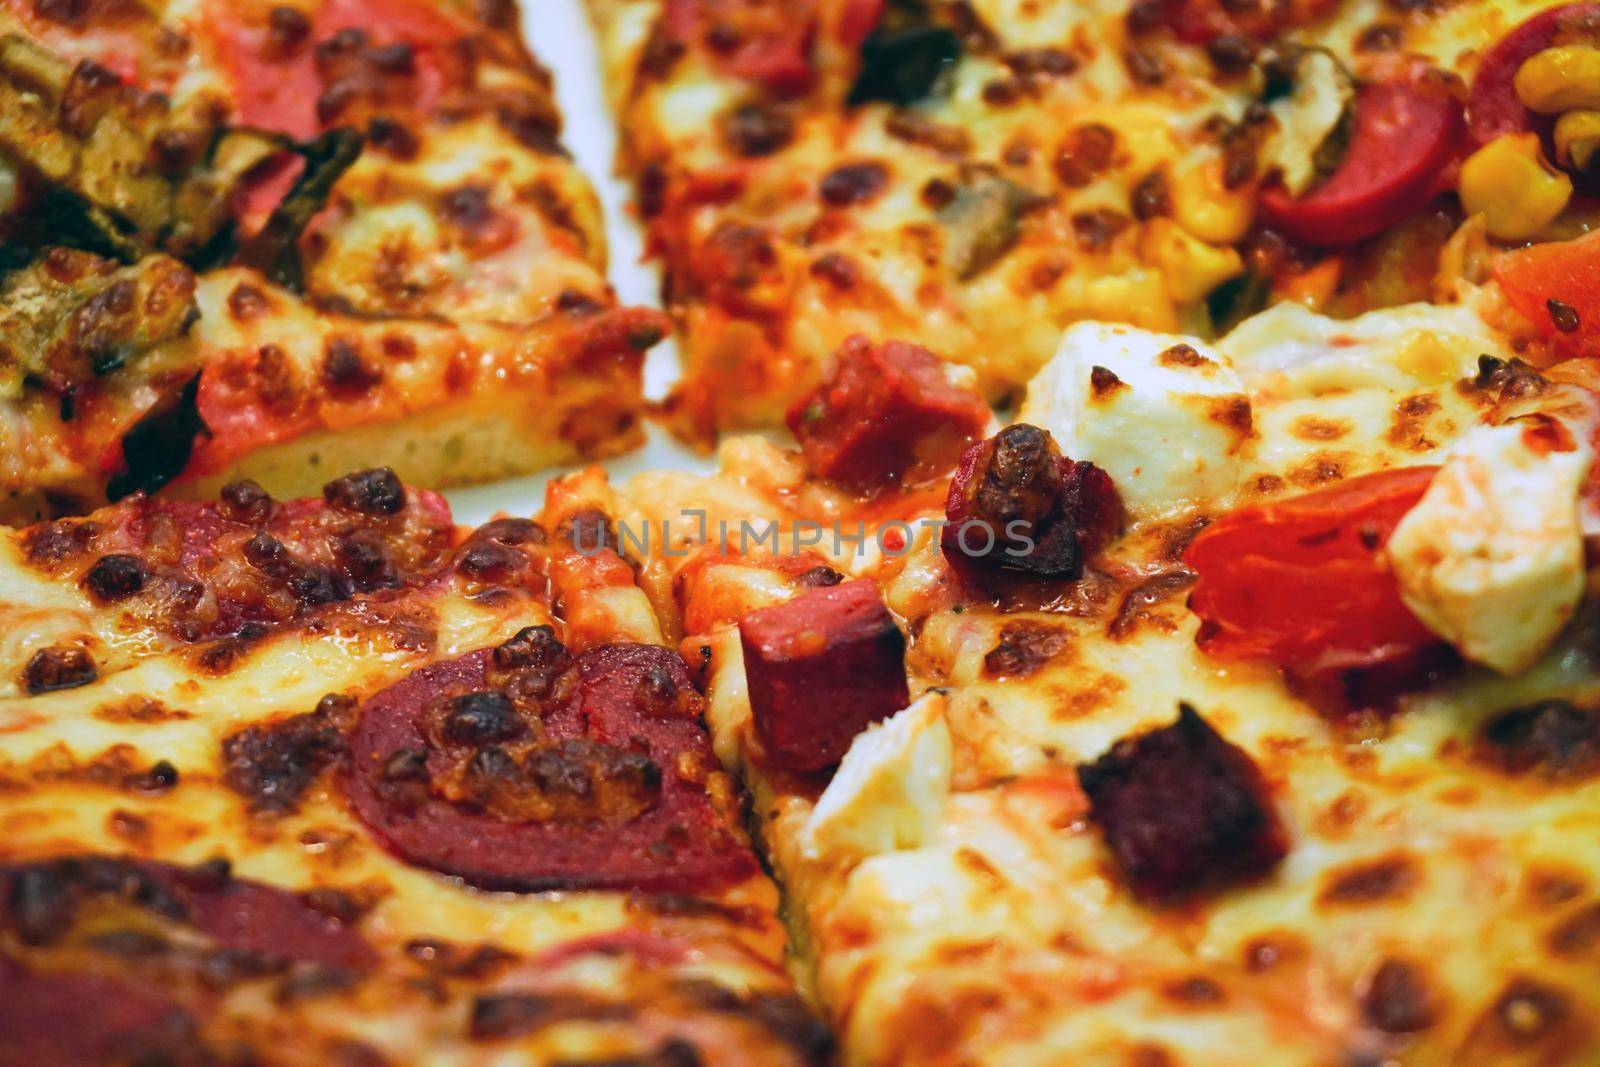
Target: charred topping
x,y
272,765
115,577
58,667
1554,739
1182,810
754,131
1018,504
375,492
853,183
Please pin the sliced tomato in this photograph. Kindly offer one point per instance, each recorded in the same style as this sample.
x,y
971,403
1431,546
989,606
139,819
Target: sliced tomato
x,y
1567,272
1303,582
1495,108
1405,134
758,40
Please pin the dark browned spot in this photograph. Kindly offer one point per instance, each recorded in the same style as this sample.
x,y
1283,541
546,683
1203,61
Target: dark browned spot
x,y
115,577
1578,935
1409,420
1024,647
1182,355
1195,991
1152,197
1315,428
246,502
1527,1013
754,131
1144,67
1379,37
1398,999
1095,230
837,269
344,371
1563,317
273,764
1554,739
1084,154
1389,878
1103,382
58,667
246,302
1231,54
373,492
1136,604
853,183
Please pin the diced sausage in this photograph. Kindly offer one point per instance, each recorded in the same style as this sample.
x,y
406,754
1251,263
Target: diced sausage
x,y
1016,503
1182,809
821,668
887,416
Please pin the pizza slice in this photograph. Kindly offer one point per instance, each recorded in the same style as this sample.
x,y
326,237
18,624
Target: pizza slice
x,y
974,177
334,781
1237,703
283,242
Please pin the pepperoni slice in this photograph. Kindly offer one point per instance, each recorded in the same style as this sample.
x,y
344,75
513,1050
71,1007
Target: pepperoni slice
x,y
1405,136
80,1020
246,563
1495,108
522,769
39,902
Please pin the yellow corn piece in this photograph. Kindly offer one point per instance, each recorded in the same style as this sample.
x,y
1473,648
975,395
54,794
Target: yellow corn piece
x,y
1205,207
1564,78
1577,137
1190,267
1508,182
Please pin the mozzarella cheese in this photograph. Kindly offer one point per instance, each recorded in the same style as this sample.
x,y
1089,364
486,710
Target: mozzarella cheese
x,y
1491,558
1165,416
890,789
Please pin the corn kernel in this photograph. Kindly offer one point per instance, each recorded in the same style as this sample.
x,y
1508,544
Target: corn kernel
x,y
1508,182
1189,267
1206,208
1577,137
1559,79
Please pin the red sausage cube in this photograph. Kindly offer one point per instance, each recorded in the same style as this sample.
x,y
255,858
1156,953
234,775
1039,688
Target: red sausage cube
x,y
887,416
1182,810
822,668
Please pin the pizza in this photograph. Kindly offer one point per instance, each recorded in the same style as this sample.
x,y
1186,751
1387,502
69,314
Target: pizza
x,y
285,241
1235,702
976,176
332,780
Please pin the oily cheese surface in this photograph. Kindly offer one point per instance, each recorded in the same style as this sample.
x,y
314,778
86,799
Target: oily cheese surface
x,y
138,760
1062,168
1433,903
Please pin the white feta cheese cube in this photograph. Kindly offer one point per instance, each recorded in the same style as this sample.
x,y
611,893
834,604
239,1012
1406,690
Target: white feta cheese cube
x,y
1491,558
889,789
1165,416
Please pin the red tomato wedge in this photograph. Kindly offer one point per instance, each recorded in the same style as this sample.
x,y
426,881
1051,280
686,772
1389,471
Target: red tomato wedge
x,y
1301,581
1405,135
278,89
1564,271
1494,107
766,43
